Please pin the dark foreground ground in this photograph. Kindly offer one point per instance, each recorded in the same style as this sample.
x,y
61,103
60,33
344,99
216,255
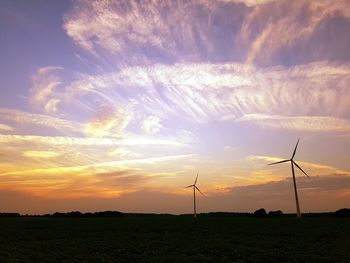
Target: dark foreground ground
x,y
175,239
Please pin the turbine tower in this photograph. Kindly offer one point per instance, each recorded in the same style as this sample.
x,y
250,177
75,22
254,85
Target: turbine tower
x,y
291,160
194,195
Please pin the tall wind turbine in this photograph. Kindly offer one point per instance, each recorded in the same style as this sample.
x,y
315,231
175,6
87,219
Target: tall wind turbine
x,y
291,160
194,195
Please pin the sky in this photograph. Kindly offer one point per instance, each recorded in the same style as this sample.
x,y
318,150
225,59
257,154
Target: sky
x,y
117,105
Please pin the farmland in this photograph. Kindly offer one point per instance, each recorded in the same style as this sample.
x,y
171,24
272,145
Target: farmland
x,y
166,238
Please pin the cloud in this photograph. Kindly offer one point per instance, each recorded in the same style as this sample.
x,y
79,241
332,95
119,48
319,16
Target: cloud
x,y
249,3
326,193
319,194
108,122
24,119
316,184
296,32
87,141
40,154
51,105
27,152
124,153
298,123
44,85
180,74
142,33
125,179
206,92
5,127
263,32
100,179
315,169
152,124
141,201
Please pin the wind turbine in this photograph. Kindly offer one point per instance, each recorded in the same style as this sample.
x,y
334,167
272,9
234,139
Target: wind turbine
x,y
194,195
291,160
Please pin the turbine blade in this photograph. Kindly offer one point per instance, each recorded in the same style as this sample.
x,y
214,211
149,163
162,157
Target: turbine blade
x,y
195,181
199,190
189,186
301,169
295,149
284,161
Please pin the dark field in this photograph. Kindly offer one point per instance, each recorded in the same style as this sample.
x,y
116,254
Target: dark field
x,y
175,239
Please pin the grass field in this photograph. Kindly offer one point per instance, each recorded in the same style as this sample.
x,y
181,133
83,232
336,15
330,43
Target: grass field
x,y
175,239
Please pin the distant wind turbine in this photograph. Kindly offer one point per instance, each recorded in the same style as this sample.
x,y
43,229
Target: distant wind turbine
x,y
194,195
291,160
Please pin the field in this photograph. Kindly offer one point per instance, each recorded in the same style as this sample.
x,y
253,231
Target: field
x,y
175,239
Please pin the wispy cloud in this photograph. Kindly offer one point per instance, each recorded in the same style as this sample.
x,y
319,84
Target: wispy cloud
x,y
325,194
44,85
108,122
202,92
40,154
249,2
60,140
314,168
172,77
321,183
25,119
152,124
299,123
102,179
289,33
5,127
263,32
125,28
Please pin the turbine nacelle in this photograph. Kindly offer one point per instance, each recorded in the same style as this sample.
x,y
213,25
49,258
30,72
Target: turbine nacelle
x,y
292,160
194,185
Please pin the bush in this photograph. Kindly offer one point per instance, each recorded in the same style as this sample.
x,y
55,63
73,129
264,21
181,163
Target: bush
x,y
260,213
276,213
9,215
344,212
96,214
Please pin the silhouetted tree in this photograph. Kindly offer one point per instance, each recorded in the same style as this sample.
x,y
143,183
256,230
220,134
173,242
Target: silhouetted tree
x,y
108,214
344,212
276,213
74,214
260,213
96,214
9,215
57,214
